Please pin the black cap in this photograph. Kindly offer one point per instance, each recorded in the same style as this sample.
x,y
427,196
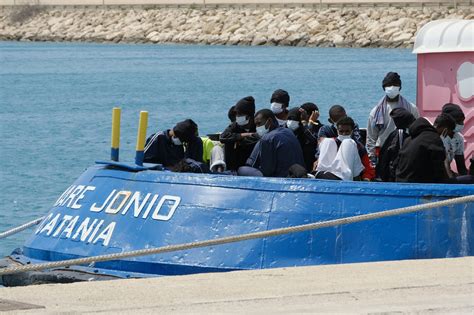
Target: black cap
x,y
186,130
402,118
454,110
391,79
280,96
246,106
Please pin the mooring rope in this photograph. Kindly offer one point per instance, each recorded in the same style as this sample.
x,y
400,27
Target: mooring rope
x,y
20,228
237,238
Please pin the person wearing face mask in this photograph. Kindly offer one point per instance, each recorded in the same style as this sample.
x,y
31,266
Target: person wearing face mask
x,y
239,137
276,151
380,124
422,156
171,146
279,103
445,125
339,157
456,140
388,158
306,138
336,112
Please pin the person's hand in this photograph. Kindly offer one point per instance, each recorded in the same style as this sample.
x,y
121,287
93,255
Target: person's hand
x,y
315,165
314,116
246,134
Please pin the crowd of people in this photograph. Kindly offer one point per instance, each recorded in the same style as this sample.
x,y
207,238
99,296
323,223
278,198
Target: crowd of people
x,y
397,146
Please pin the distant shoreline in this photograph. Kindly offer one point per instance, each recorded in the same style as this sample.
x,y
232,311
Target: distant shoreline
x,y
386,27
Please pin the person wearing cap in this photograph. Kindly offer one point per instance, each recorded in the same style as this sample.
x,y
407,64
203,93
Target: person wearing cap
x,y
172,145
239,138
279,103
454,142
277,150
308,141
388,158
380,124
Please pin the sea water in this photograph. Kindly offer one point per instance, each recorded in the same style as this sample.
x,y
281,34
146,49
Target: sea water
x,y
56,101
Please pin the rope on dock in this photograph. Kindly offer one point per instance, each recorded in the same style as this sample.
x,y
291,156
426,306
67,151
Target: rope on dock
x,y
20,228
237,238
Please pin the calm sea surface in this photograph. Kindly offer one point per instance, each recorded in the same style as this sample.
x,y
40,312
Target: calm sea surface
x,y
56,101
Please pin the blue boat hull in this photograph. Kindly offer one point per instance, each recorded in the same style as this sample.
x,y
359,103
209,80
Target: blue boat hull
x,y
111,210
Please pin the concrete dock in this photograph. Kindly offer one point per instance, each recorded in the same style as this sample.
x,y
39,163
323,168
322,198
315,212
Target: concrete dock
x,y
416,286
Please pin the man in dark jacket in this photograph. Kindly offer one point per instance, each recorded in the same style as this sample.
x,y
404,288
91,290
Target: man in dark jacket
x,y
239,137
276,151
422,156
168,147
388,157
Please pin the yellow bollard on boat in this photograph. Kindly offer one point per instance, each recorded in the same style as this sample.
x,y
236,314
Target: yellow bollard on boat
x,y
115,141
141,137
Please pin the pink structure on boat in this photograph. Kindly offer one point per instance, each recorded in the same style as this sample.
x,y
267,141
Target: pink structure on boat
x,y
445,71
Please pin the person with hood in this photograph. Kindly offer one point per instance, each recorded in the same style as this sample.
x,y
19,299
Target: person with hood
x,y
279,103
277,150
454,142
171,146
310,118
239,138
388,157
422,157
306,138
380,124
339,157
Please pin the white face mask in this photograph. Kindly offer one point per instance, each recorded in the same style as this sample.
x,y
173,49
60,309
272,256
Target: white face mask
x,y
262,130
343,137
176,141
281,122
241,120
276,108
458,128
392,91
292,124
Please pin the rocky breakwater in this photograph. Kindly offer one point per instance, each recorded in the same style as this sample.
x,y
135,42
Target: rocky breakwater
x,y
335,27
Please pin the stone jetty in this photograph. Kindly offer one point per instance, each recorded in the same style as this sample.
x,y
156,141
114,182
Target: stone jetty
x,y
299,26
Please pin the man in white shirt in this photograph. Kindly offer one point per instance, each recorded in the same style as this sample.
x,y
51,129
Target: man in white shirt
x,y
380,123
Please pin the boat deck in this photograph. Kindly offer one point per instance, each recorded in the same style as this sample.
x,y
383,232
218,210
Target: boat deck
x,y
427,286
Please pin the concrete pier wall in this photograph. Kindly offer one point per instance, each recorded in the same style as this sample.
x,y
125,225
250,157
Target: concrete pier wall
x,y
321,26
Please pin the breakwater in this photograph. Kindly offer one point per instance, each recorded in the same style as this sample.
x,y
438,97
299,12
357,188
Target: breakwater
x,y
300,26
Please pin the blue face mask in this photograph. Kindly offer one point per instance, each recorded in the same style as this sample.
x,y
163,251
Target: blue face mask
x,y
292,124
276,108
458,128
262,130
241,120
176,141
